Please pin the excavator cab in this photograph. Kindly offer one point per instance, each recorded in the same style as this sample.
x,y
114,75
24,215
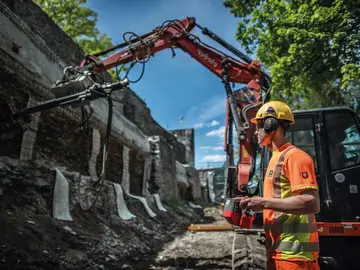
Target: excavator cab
x,y
331,137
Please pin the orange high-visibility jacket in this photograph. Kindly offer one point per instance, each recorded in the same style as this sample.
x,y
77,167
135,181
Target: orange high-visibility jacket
x,y
289,236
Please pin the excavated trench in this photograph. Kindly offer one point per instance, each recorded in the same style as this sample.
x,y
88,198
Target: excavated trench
x,y
31,238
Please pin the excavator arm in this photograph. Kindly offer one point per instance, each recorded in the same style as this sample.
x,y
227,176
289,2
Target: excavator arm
x,y
241,105
176,34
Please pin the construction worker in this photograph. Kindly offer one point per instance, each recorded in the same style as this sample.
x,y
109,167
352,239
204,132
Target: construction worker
x,y
291,198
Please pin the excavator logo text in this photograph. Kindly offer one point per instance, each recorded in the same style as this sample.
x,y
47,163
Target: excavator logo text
x,y
207,58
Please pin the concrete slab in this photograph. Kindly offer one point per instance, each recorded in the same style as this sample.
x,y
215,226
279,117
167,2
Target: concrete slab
x,y
122,209
158,202
192,205
61,201
144,203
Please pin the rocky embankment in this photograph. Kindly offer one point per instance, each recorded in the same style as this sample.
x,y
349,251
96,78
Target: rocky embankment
x,y
31,238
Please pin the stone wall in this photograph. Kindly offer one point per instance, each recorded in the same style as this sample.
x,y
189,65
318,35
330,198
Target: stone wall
x,y
212,183
195,184
11,134
33,54
52,40
136,111
163,179
186,137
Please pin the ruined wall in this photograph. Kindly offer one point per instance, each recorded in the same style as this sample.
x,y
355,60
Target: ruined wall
x,y
183,184
33,54
136,111
186,137
195,184
163,180
53,41
212,183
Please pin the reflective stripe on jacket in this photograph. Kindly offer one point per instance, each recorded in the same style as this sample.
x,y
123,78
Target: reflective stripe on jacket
x,y
290,236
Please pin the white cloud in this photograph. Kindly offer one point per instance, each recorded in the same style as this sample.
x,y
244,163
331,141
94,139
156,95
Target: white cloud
x,y
213,123
212,148
216,132
214,158
199,125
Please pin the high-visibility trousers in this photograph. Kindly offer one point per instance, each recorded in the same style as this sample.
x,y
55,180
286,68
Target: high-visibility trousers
x,y
291,265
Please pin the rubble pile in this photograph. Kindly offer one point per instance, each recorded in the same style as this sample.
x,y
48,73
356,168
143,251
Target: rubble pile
x,y
32,239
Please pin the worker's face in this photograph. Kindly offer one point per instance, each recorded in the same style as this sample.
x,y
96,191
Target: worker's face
x,y
264,139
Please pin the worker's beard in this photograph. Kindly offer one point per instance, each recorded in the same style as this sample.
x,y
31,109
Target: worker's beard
x,y
266,140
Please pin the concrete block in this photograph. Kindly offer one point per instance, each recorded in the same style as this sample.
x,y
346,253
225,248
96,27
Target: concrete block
x,y
61,201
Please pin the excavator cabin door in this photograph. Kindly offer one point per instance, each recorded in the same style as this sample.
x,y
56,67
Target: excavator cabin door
x,y
331,136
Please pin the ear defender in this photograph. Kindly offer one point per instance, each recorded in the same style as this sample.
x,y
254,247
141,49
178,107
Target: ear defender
x,y
270,125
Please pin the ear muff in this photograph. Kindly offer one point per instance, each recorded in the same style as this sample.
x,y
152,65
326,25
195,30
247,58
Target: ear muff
x,y
270,125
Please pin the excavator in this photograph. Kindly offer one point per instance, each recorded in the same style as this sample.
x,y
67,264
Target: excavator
x,y
331,136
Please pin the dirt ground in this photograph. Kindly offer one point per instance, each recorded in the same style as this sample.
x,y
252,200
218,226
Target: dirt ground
x,y
31,239
198,250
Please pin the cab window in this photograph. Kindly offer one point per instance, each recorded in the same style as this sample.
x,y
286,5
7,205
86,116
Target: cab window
x,y
301,134
343,140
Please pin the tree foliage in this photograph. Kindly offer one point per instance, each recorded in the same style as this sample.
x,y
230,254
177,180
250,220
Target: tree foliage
x,y
311,47
79,22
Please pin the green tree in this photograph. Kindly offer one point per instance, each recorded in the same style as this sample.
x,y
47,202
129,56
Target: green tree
x,y
311,47
79,22
75,19
99,43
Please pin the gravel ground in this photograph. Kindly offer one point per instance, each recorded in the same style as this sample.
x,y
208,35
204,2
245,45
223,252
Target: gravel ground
x,y
198,250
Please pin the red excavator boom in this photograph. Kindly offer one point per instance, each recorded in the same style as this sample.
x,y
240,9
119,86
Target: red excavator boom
x,y
177,34
241,104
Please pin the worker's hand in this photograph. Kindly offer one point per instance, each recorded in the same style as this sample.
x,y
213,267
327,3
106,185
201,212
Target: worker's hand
x,y
255,203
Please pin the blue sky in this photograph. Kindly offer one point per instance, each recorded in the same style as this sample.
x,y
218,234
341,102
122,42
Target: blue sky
x,y
180,86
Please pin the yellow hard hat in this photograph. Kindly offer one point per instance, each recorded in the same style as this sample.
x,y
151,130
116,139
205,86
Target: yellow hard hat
x,y
277,109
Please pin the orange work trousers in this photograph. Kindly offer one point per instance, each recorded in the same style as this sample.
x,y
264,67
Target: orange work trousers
x,y
291,265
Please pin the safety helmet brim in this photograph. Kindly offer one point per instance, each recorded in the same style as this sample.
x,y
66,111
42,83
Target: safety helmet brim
x,y
276,109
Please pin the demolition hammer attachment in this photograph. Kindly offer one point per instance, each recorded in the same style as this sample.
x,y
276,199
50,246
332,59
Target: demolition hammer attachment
x,y
73,91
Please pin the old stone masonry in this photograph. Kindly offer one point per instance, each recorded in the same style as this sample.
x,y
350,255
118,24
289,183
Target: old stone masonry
x,y
58,209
